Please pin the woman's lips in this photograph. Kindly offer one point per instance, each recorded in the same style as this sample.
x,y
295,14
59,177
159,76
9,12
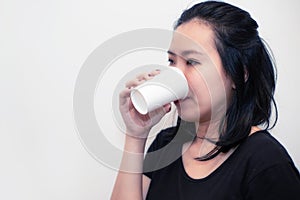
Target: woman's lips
x,y
181,100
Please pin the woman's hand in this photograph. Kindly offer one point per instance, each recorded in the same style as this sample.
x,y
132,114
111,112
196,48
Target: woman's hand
x,y
138,125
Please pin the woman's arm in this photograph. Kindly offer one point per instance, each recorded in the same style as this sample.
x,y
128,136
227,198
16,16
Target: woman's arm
x,y
146,184
129,182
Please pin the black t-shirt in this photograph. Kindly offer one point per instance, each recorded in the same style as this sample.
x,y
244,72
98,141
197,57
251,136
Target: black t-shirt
x,y
259,169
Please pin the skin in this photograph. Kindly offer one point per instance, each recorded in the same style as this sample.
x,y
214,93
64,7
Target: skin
x,y
210,92
193,51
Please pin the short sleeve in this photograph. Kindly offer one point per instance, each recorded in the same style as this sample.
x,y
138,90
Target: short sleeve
x,y
278,182
163,138
176,137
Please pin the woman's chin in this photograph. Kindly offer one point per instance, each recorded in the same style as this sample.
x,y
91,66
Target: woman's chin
x,y
189,115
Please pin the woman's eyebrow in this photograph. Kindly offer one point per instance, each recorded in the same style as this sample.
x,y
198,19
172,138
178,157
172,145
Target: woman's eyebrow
x,y
170,52
186,52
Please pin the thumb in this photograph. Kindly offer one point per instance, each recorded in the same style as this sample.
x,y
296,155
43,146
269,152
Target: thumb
x,y
157,114
167,108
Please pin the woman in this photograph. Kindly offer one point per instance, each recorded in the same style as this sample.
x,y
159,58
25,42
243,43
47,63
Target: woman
x,y
220,148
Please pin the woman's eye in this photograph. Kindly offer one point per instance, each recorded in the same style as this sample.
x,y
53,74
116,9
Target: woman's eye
x,y
171,61
192,62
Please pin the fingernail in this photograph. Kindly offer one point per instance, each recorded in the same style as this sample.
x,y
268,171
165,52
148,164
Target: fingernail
x,y
168,109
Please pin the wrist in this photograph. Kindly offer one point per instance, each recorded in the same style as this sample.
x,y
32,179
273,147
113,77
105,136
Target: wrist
x,y
134,144
138,134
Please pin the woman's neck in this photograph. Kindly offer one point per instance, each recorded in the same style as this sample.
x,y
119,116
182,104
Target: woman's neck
x,y
208,129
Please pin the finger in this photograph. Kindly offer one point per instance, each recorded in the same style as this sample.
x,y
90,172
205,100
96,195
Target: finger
x,y
167,107
134,83
144,76
154,73
147,76
124,95
160,112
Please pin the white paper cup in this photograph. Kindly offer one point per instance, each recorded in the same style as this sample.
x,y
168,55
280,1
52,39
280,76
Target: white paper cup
x,y
169,85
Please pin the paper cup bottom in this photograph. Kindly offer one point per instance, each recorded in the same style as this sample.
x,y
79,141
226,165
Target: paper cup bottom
x,y
139,102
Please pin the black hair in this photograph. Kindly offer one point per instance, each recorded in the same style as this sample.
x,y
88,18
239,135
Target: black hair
x,y
247,61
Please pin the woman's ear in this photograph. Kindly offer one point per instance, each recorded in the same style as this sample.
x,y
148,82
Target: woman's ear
x,y
233,86
246,74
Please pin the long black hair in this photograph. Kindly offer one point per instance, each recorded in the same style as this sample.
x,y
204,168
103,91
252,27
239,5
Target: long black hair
x,y
247,61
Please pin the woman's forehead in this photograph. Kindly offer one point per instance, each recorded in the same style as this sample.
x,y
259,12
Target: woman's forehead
x,y
193,37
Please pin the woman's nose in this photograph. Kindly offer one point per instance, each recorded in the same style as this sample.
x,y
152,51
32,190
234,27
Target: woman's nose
x,y
181,66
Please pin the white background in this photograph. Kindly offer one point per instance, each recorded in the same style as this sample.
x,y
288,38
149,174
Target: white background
x,y
42,47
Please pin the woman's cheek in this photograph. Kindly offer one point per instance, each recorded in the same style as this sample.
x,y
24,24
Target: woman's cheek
x,y
188,110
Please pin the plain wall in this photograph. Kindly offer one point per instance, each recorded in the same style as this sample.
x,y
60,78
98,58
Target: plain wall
x,y
43,45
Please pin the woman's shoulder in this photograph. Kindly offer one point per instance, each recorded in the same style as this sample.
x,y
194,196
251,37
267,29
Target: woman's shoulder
x,y
163,138
262,151
265,143
269,167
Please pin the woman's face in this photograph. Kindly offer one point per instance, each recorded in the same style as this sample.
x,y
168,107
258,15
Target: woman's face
x,y
193,51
